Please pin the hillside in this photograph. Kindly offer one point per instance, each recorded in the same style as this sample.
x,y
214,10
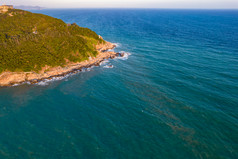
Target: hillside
x,y
30,41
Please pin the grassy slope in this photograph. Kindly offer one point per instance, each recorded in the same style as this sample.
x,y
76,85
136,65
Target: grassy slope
x,y
22,50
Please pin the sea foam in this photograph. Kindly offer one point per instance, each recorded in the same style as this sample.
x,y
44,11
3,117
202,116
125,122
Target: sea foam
x,y
108,66
117,44
125,55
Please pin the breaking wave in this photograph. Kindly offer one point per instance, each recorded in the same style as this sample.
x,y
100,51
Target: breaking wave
x,y
108,66
125,55
117,44
104,62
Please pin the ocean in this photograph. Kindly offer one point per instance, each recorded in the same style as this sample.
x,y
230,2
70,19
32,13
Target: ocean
x,y
174,96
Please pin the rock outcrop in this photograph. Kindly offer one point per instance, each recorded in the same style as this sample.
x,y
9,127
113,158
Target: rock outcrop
x,y
5,8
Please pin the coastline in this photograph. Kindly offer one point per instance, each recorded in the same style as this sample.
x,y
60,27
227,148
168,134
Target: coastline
x,y
12,78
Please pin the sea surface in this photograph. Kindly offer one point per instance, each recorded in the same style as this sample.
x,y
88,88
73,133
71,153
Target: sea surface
x,y
174,96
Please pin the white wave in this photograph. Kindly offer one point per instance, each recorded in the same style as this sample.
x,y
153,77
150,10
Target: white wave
x,y
110,50
104,62
16,85
46,82
43,83
125,55
87,69
117,44
108,66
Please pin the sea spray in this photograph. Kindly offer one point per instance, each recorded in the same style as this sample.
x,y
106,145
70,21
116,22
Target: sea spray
x,y
125,55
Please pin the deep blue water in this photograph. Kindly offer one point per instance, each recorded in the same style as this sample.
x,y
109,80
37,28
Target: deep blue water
x,y
176,96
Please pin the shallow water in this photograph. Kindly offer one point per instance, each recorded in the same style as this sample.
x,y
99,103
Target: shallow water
x,y
175,96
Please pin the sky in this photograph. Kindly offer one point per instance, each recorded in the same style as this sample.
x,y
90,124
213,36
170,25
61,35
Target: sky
x,y
197,4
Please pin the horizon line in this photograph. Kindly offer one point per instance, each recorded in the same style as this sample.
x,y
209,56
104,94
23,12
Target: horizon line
x,y
172,8
143,8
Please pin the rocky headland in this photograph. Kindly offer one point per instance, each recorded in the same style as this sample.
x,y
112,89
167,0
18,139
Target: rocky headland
x,y
36,47
13,78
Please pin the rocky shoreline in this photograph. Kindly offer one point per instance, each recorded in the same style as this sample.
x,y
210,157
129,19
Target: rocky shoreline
x,y
13,78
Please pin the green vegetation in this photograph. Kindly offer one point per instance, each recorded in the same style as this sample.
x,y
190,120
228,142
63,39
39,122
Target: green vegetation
x,y
30,41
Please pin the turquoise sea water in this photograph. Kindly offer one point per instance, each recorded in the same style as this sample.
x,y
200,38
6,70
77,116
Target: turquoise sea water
x,y
176,96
